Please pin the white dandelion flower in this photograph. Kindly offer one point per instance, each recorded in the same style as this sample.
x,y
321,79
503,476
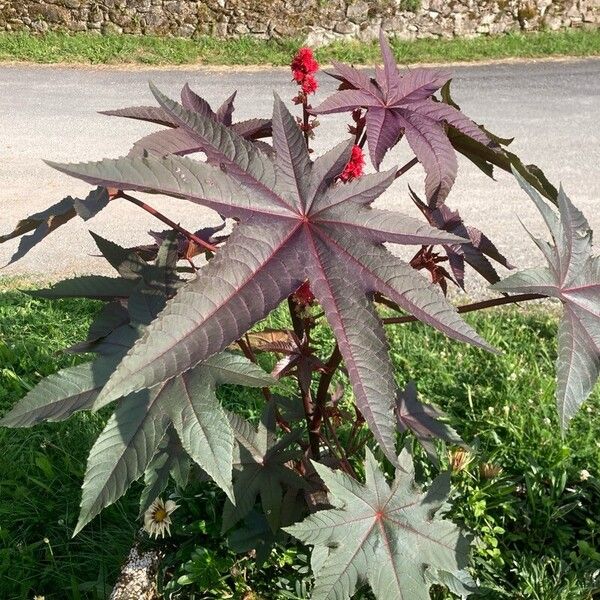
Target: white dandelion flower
x,y
157,519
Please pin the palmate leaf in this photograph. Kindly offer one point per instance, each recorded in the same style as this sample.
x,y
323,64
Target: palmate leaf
x,y
61,394
573,277
295,224
170,460
385,535
424,422
178,140
476,253
58,396
185,407
124,449
43,223
402,105
486,156
260,469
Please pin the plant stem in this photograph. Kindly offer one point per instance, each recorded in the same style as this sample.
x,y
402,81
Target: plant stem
x,y
297,323
313,420
325,381
188,234
246,348
305,117
466,308
407,167
344,462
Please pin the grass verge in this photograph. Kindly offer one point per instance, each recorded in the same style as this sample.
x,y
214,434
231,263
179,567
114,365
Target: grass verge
x,y
537,524
152,50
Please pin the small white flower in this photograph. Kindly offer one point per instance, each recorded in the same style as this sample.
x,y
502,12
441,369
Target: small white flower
x,y
157,519
547,421
584,475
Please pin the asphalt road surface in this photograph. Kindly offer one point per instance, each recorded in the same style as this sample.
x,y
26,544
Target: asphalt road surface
x,y
552,109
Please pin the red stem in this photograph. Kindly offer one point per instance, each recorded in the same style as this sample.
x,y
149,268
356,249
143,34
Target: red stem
x,y
305,117
466,308
188,234
407,167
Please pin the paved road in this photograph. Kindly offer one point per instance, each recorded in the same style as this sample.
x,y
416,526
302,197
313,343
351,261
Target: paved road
x,y
552,109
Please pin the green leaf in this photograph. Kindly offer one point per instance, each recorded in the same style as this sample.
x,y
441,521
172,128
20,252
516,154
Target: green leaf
x,y
260,463
573,277
486,157
386,535
424,422
169,460
61,394
122,452
125,448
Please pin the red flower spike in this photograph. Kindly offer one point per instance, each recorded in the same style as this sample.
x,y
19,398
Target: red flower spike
x,y
355,167
304,62
304,66
309,84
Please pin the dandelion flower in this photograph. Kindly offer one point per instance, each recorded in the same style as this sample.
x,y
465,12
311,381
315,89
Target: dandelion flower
x,y
584,475
157,519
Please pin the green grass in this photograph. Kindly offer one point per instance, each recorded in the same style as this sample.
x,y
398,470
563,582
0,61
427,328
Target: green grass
x,y
152,50
537,525
41,469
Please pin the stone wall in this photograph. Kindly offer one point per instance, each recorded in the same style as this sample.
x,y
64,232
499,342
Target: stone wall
x,y
319,21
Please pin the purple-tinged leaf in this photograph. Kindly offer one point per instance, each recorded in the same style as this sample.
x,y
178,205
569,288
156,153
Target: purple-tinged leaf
x,y
171,141
45,222
347,101
573,277
383,133
475,253
242,159
357,79
291,158
431,146
327,168
253,129
384,226
191,101
386,535
178,140
224,113
152,114
402,105
441,112
424,422
281,240
175,176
